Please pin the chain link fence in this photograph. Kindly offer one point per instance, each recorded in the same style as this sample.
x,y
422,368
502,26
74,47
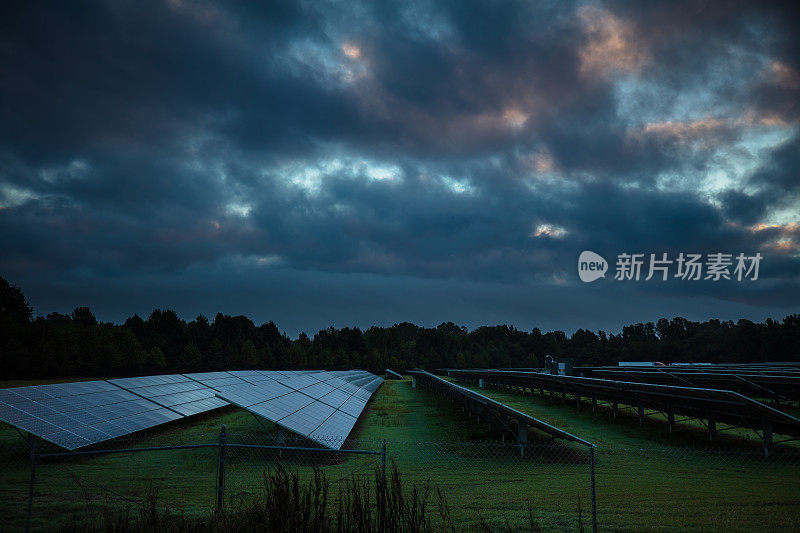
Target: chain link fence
x,y
258,481
682,488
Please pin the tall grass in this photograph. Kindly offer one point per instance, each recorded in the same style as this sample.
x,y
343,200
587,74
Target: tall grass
x,y
288,504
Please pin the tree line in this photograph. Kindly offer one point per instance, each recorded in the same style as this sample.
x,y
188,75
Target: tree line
x,y
78,345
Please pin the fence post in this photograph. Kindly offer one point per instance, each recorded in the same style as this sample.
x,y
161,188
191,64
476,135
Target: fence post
x,y
594,500
384,488
34,457
223,435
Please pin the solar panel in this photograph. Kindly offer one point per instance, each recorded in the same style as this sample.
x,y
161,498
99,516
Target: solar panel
x,y
73,415
318,404
317,390
363,394
471,399
307,419
334,430
321,376
199,406
269,374
281,406
223,382
778,385
202,376
148,381
251,376
360,381
298,382
176,392
335,398
251,394
725,406
349,388
335,382
353,406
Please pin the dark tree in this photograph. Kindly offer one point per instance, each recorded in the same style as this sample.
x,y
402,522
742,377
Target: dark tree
x,y
59,345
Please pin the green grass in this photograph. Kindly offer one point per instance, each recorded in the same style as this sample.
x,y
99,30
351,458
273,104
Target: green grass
x,y
649,479
662,490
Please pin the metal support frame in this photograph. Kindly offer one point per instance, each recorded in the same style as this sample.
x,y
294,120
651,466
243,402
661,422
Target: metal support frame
x,y
258,419
522,433
499,415
672,401
383,488
32,443
775,396
594,498
767,438
223,438
729,428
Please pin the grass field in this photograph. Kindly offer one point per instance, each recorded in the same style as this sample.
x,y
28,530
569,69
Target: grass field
x,y
649,479
645,480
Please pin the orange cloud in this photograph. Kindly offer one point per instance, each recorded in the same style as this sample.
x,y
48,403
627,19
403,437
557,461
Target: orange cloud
x,y
684,130
785,236
787,229
612,44
549,230
542,162
514,117
351,50
784,75
783,246
692,130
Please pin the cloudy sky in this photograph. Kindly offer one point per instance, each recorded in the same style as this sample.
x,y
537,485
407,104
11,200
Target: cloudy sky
x,y
342,163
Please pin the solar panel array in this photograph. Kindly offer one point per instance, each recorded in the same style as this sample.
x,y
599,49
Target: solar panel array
x,y
322,406
73,415
176,392
485,406
777,382
725,406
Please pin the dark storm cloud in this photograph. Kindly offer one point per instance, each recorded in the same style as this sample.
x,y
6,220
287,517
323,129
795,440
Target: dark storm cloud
x,y
777,183
455,145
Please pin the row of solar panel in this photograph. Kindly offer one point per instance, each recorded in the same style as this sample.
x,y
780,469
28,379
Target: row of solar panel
x,y
727,406
324,410
783,386
77,414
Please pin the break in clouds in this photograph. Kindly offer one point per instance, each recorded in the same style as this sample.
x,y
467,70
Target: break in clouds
x,y
346,163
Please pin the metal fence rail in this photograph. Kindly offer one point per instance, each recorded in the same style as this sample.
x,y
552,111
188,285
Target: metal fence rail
x,y
222,445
